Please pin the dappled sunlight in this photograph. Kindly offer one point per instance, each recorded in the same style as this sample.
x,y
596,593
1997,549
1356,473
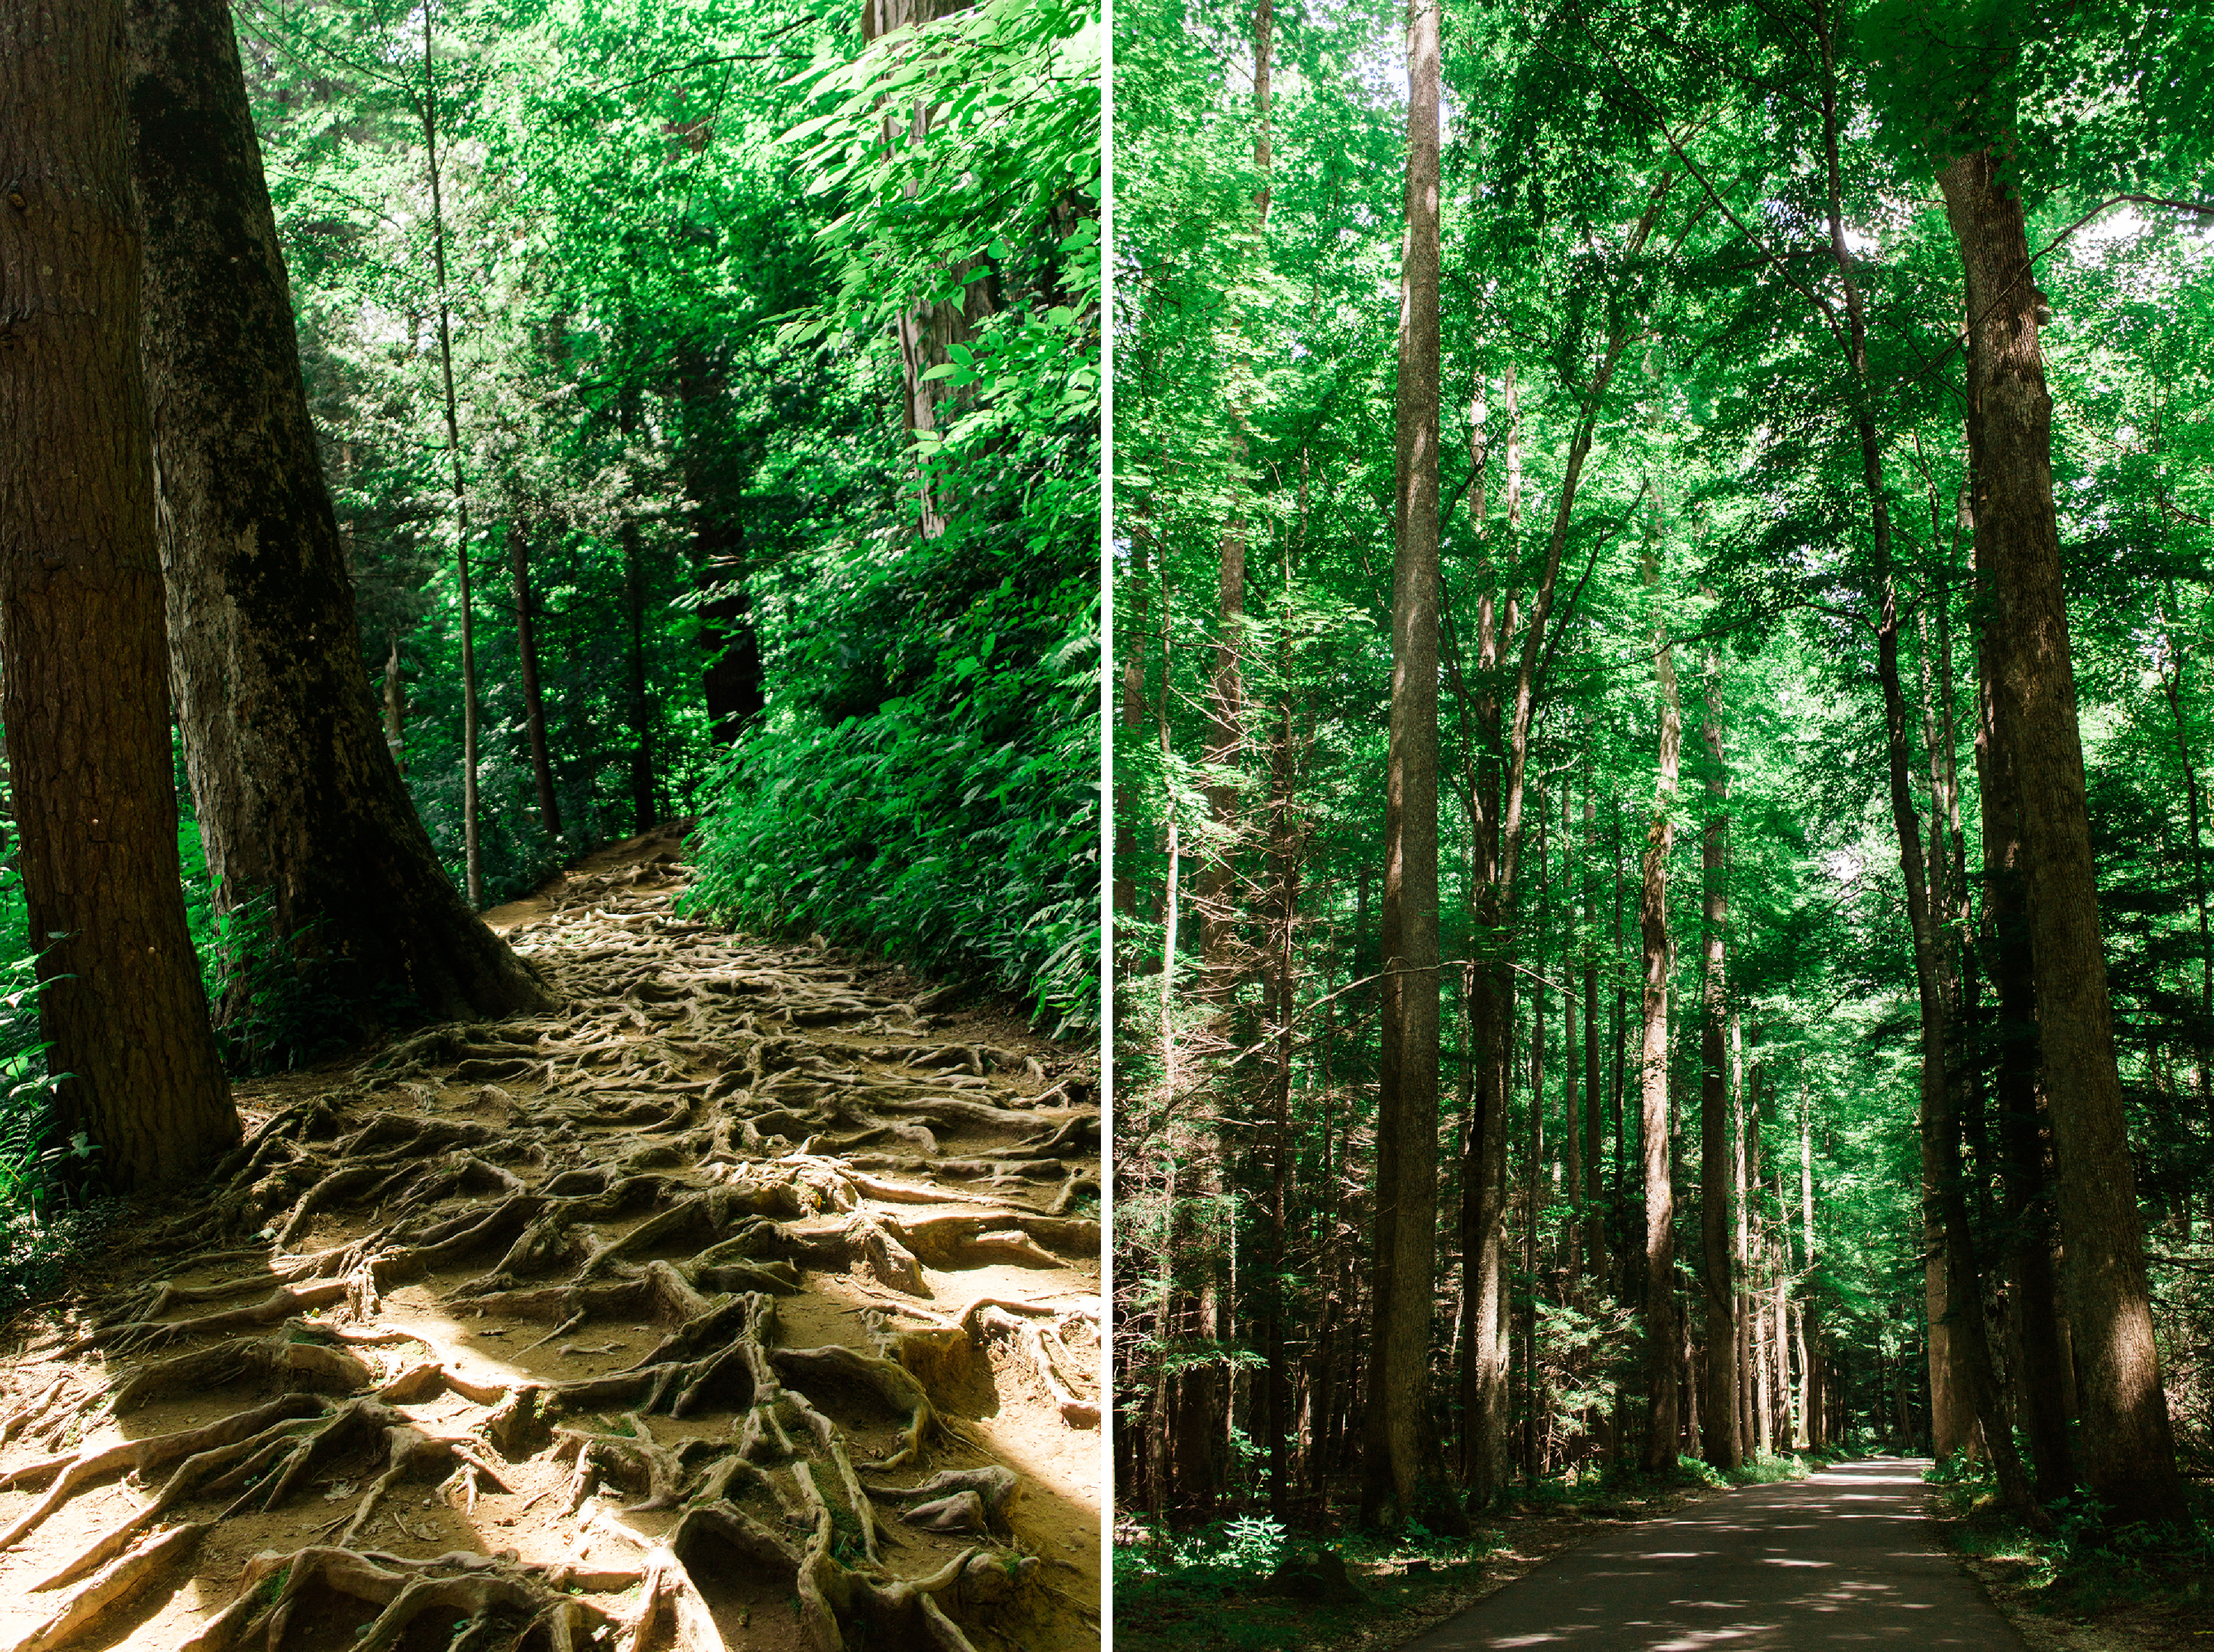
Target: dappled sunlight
x,y
592,1325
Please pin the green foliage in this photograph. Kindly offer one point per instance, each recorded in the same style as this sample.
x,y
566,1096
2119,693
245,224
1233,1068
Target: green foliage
x,y
2085,1565
44,1224
956,825
680,252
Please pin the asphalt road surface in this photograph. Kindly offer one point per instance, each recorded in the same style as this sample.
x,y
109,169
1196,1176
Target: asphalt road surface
x,y
1844,1559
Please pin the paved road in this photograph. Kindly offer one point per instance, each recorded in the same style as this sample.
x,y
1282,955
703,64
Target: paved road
x,y
1844,1559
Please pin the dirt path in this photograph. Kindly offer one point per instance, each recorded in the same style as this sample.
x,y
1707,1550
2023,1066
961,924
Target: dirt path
x,y
746,1302
1843,1558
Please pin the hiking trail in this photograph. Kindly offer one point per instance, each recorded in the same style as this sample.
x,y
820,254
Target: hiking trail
x,y
747,1301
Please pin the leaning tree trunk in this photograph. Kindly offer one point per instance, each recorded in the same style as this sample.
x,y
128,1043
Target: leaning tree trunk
x,y
1408,1086
2129,1453
298,797
82,659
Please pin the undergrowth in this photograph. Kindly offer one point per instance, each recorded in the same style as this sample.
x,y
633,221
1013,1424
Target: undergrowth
x,y
954,825
1216,1584
2086,1564
40,1229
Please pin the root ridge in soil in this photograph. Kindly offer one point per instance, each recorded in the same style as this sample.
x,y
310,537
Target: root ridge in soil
x,y
748,1299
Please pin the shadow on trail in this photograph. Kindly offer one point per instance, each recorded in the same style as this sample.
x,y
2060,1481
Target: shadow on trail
x,y
1844,1558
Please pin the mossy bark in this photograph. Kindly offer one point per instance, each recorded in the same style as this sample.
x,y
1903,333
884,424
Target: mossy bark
x,y
298,797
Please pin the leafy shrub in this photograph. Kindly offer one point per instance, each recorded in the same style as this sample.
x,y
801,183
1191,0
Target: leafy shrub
x,y
955,825
38,1230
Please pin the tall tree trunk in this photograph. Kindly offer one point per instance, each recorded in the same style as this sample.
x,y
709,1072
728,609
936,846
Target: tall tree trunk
x,y
296,787
928,332
82,661
1594,1122
1408,1086
2040,1356
2203,1043
1721,1444
472,848
2129,1453
1132,653
1572,1135
1659,1322
533,703
643,809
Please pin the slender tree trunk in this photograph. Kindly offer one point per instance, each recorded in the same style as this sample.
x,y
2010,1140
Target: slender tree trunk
x,y
83,666
2129,1453
928,332
1594,1121
1661,1335
2172,681
472,849
1133,719
643,809
1572,1135
533,703
395,700
1719,1172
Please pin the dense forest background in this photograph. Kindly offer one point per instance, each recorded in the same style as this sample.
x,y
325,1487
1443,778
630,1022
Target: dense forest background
x,y
658,500
1737,1139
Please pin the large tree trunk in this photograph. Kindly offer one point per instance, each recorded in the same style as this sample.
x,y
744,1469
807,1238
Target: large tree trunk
x,y
295,783
1722,1443
1407,1088
82,655
2129,1453
2040,1355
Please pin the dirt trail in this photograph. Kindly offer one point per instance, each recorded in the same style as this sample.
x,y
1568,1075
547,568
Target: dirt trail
x,y
745,1302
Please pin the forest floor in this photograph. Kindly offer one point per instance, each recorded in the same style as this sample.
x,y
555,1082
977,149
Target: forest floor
x,y
2106,1607
1405,1588
748,1298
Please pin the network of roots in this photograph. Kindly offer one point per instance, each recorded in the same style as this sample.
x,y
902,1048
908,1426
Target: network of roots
x,y
516,1336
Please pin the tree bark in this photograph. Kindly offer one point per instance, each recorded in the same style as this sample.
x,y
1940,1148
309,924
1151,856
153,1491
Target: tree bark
x,y
396,708
2040,1361
473,847
1722,1443
643,809
1659,1317
1407,1088
296,785
928,332
2129,1452
82,655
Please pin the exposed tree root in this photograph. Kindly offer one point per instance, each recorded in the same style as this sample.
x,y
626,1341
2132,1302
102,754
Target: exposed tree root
x,y
532,1270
